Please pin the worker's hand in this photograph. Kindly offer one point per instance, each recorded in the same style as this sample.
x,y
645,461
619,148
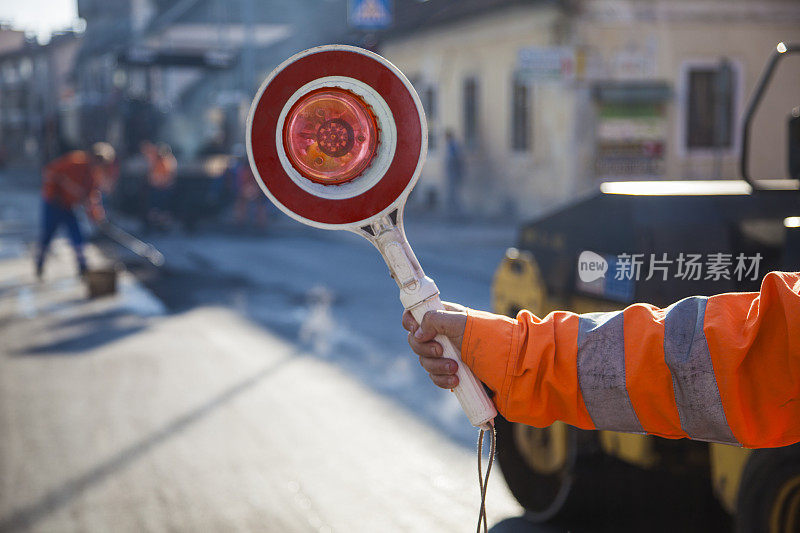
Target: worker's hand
x,y
451,323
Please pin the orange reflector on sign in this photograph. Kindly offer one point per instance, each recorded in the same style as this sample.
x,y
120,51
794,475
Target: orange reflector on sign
x,y
330,136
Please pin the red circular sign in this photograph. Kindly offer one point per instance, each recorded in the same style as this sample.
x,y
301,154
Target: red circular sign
x,y
264,126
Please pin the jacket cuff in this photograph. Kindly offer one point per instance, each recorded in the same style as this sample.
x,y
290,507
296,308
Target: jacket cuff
x,y
487,348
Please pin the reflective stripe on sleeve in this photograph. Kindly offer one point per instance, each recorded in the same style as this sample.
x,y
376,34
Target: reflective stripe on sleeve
x,y
601,372
687,356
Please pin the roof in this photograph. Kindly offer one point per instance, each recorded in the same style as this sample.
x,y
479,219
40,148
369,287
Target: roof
x,y
263,12
411,16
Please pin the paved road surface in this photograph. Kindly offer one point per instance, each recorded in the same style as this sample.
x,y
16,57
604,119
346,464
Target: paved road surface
x,y
254,384
116,416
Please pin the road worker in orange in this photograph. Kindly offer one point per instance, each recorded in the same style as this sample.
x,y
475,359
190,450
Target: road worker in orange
x,y
724,368
161,174
74,179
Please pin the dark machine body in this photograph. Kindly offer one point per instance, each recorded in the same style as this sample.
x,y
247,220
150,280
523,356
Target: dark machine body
x,y
563,472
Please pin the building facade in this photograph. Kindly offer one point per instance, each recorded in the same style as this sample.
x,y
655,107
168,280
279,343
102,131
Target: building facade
x,y
35,87
547,99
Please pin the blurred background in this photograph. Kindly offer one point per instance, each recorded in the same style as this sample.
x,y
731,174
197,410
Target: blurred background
x,y
222,368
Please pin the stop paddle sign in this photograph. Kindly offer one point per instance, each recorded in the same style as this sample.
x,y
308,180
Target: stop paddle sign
x,y
336,138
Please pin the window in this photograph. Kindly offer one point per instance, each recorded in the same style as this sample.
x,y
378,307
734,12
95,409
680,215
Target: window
x,y
470,111
521,137
429,101
709,109
428,96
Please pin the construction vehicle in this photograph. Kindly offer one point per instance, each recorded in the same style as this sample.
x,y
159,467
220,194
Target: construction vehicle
x,y
561,470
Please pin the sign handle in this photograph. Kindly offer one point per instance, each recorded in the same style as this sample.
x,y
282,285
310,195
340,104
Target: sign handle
x,y
419,294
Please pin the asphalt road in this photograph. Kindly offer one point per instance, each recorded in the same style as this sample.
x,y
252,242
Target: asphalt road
x,y
254,383
127,415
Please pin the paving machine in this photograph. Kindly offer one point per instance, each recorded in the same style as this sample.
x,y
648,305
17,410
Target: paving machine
x,y
752,225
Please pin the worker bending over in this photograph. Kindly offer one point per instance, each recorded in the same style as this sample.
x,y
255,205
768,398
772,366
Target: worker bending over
x,y
724,368
71,180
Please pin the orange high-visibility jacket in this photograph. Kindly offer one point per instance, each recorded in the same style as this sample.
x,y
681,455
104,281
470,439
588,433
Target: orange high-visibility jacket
x,y
724,368
69,181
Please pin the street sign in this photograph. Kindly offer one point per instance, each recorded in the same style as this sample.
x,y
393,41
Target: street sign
x,y
546,63
369,14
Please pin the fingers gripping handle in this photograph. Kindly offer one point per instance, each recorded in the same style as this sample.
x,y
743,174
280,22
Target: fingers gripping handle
x,y
470,392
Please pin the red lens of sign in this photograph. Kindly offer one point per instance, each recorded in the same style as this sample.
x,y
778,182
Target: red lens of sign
x,y
330,136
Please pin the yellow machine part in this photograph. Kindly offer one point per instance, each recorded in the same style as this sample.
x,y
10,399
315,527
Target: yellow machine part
x,y
544,449
727,465
785,515
638,450
518,285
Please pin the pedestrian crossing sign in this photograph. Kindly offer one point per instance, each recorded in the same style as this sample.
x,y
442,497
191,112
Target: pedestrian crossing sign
x,y
370,14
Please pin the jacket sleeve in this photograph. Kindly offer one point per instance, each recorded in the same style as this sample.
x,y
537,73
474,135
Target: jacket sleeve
x,y
724,368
